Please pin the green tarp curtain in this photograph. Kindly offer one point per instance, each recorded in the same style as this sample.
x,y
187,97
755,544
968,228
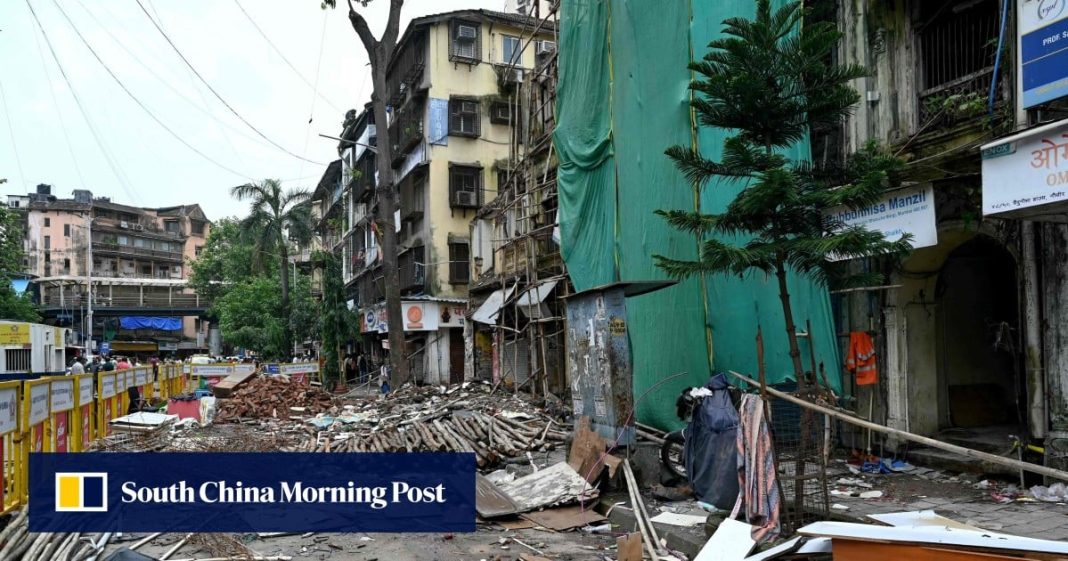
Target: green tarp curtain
x,y
622,99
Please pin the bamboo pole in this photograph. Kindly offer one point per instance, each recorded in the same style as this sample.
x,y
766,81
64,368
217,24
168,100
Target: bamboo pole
x,y
966,452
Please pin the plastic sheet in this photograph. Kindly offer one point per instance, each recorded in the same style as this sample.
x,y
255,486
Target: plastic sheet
x,y
622,99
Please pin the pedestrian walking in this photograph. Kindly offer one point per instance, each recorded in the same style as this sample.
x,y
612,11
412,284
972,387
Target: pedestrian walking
x,y
362,367
77,367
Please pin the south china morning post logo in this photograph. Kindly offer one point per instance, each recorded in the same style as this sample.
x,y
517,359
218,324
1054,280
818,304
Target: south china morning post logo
x,y
81,492
218,492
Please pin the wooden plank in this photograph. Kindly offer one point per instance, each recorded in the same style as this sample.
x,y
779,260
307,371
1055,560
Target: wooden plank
x,y
921,518
491,502
566,518
629,547
967,452
587,451
226,387
932,536
853,550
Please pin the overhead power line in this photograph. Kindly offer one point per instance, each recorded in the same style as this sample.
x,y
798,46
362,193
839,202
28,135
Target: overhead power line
x,y
59,113
315,86
11,131
112,162
138,101
201,107
215,93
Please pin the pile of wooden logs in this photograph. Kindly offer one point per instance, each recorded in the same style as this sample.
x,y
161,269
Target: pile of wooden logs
x,y
491,438
18,544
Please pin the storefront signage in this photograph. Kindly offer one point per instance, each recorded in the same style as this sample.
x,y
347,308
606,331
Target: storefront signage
x,y
1034,173
420,316
1043,47
899,212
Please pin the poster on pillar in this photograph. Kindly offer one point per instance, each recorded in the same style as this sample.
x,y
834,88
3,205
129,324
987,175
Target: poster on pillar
x,y
902,211
420,316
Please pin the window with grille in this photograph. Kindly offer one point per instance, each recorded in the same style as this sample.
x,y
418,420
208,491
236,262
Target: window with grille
x,y
459,262
48,222
466,42
48,242
465,186
18,360
464,118
66,230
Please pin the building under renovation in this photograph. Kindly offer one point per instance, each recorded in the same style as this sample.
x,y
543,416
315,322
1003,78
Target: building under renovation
x,y
516,335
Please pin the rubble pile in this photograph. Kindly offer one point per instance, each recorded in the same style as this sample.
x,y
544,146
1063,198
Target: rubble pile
x,y
466,418
272,396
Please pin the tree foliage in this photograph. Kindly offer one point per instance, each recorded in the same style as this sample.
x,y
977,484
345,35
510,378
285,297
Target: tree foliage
x,y
225,259
249,316
13,306
338,322
275,217
768,81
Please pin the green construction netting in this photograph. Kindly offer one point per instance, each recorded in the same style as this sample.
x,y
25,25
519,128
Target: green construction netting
x,y
623,99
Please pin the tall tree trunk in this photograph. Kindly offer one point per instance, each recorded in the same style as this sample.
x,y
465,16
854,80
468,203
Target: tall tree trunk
x,y
791,329
800,459
287,333
387,205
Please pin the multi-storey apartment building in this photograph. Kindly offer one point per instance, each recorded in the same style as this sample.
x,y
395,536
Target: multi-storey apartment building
x,y
135,259
453,93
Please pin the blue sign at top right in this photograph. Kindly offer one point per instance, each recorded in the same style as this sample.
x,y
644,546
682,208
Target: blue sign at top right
x,y
1043,32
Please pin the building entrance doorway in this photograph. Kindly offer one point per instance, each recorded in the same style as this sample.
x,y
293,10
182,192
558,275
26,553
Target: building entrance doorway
x,y
977,337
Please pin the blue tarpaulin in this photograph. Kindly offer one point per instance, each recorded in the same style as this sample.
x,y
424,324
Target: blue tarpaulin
x,y
161,323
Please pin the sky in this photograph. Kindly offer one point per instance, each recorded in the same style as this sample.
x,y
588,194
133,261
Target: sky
x,y
93,135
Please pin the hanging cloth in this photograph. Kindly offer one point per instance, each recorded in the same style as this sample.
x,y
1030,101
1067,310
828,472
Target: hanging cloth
x,y
757,477
860,358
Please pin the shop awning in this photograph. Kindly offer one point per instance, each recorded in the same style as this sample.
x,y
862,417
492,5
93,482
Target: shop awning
x,y
491,308
133,346
531,300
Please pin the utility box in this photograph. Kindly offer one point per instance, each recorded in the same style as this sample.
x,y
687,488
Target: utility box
x,y
599,357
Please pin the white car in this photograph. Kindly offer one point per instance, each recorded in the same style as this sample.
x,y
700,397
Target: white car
x,y
200,359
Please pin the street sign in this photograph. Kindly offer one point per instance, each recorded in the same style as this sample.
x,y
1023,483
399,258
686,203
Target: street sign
x,y
105,348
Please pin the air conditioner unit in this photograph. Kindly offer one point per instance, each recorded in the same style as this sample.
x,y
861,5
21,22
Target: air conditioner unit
x,y
545,47
464,199
124,224
139,227
466,32
511,75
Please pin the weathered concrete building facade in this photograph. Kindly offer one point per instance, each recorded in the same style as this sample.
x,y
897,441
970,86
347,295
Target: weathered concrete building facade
x,y
971,328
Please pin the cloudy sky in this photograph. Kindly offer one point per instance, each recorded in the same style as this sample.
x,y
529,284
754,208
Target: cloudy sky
x,y
122,152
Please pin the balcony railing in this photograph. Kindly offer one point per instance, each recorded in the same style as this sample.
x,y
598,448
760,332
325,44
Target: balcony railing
x,y
406,131
103,301
129,250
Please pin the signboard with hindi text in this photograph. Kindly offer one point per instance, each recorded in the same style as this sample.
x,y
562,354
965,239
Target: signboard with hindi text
x,y
1027,170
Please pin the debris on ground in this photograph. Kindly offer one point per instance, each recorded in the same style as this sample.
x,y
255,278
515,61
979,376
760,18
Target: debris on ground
x,y
272,396
466,418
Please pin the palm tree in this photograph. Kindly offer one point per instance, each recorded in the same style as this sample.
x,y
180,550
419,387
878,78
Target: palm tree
x,y
275,217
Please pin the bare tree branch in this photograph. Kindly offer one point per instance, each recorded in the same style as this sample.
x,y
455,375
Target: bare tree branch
x,y
389,37
359,24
